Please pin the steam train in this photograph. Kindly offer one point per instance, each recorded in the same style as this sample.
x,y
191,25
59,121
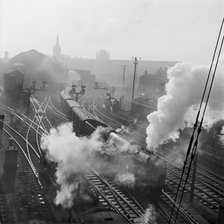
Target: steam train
x,y
118,156
149,172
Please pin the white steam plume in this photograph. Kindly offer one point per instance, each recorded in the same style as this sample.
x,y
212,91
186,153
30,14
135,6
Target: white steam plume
x,y
72,154
125,178
177,108
149,215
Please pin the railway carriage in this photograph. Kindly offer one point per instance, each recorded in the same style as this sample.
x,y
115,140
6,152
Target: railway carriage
x,y
79,119
72,105
83,122
64,99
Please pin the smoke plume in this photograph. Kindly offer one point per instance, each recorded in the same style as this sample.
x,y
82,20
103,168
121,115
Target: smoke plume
x,y
177,109
73,154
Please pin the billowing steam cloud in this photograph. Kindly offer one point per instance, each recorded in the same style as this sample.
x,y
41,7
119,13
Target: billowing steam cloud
x,y
126,178
149,215
177,108
73,154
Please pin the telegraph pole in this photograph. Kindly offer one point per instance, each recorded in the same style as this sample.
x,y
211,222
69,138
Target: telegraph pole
x,y
124,67
193,178
1,128
135,61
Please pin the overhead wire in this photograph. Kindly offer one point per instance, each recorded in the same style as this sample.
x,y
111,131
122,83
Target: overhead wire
x,y
194,150
196,121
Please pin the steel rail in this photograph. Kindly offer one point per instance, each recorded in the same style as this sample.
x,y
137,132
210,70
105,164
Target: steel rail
x,y
122,205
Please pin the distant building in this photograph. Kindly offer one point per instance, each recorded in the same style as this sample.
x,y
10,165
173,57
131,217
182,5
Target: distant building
x,y
142,106
81,77
102,55
153,85
13,82
57,49
6,57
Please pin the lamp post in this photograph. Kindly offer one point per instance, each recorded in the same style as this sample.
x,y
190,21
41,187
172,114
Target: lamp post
x,y
135,61
74,92
193,178
124,67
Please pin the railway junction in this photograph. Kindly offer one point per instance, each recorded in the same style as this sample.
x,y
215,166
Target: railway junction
x,y
31,197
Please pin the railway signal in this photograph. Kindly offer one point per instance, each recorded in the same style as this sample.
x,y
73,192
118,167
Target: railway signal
x,y
73,91
124,67
31,90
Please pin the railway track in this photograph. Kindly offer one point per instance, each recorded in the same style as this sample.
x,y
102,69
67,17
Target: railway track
x,y
40,113
208,186
122,118
123,206
112,122
110,195
29,161
52,109
166,202
28,171
56,109
23,118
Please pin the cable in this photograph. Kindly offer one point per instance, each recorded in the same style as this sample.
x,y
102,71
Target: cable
x,y
199,129
196,121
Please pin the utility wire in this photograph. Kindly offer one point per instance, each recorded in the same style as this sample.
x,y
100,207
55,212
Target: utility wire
x,y
196,122
194,150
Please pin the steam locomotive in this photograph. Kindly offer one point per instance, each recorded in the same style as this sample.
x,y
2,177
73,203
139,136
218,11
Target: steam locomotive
x,y
149,172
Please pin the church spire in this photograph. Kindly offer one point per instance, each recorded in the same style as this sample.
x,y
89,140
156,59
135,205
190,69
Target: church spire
x,y
57,49
57,41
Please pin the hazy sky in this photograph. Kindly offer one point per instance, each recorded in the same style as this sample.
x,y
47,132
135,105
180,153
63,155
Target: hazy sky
x,y
151,29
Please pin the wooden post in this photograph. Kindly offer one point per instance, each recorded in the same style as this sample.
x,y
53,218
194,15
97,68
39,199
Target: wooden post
x,y
1,128
221,214
193,178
